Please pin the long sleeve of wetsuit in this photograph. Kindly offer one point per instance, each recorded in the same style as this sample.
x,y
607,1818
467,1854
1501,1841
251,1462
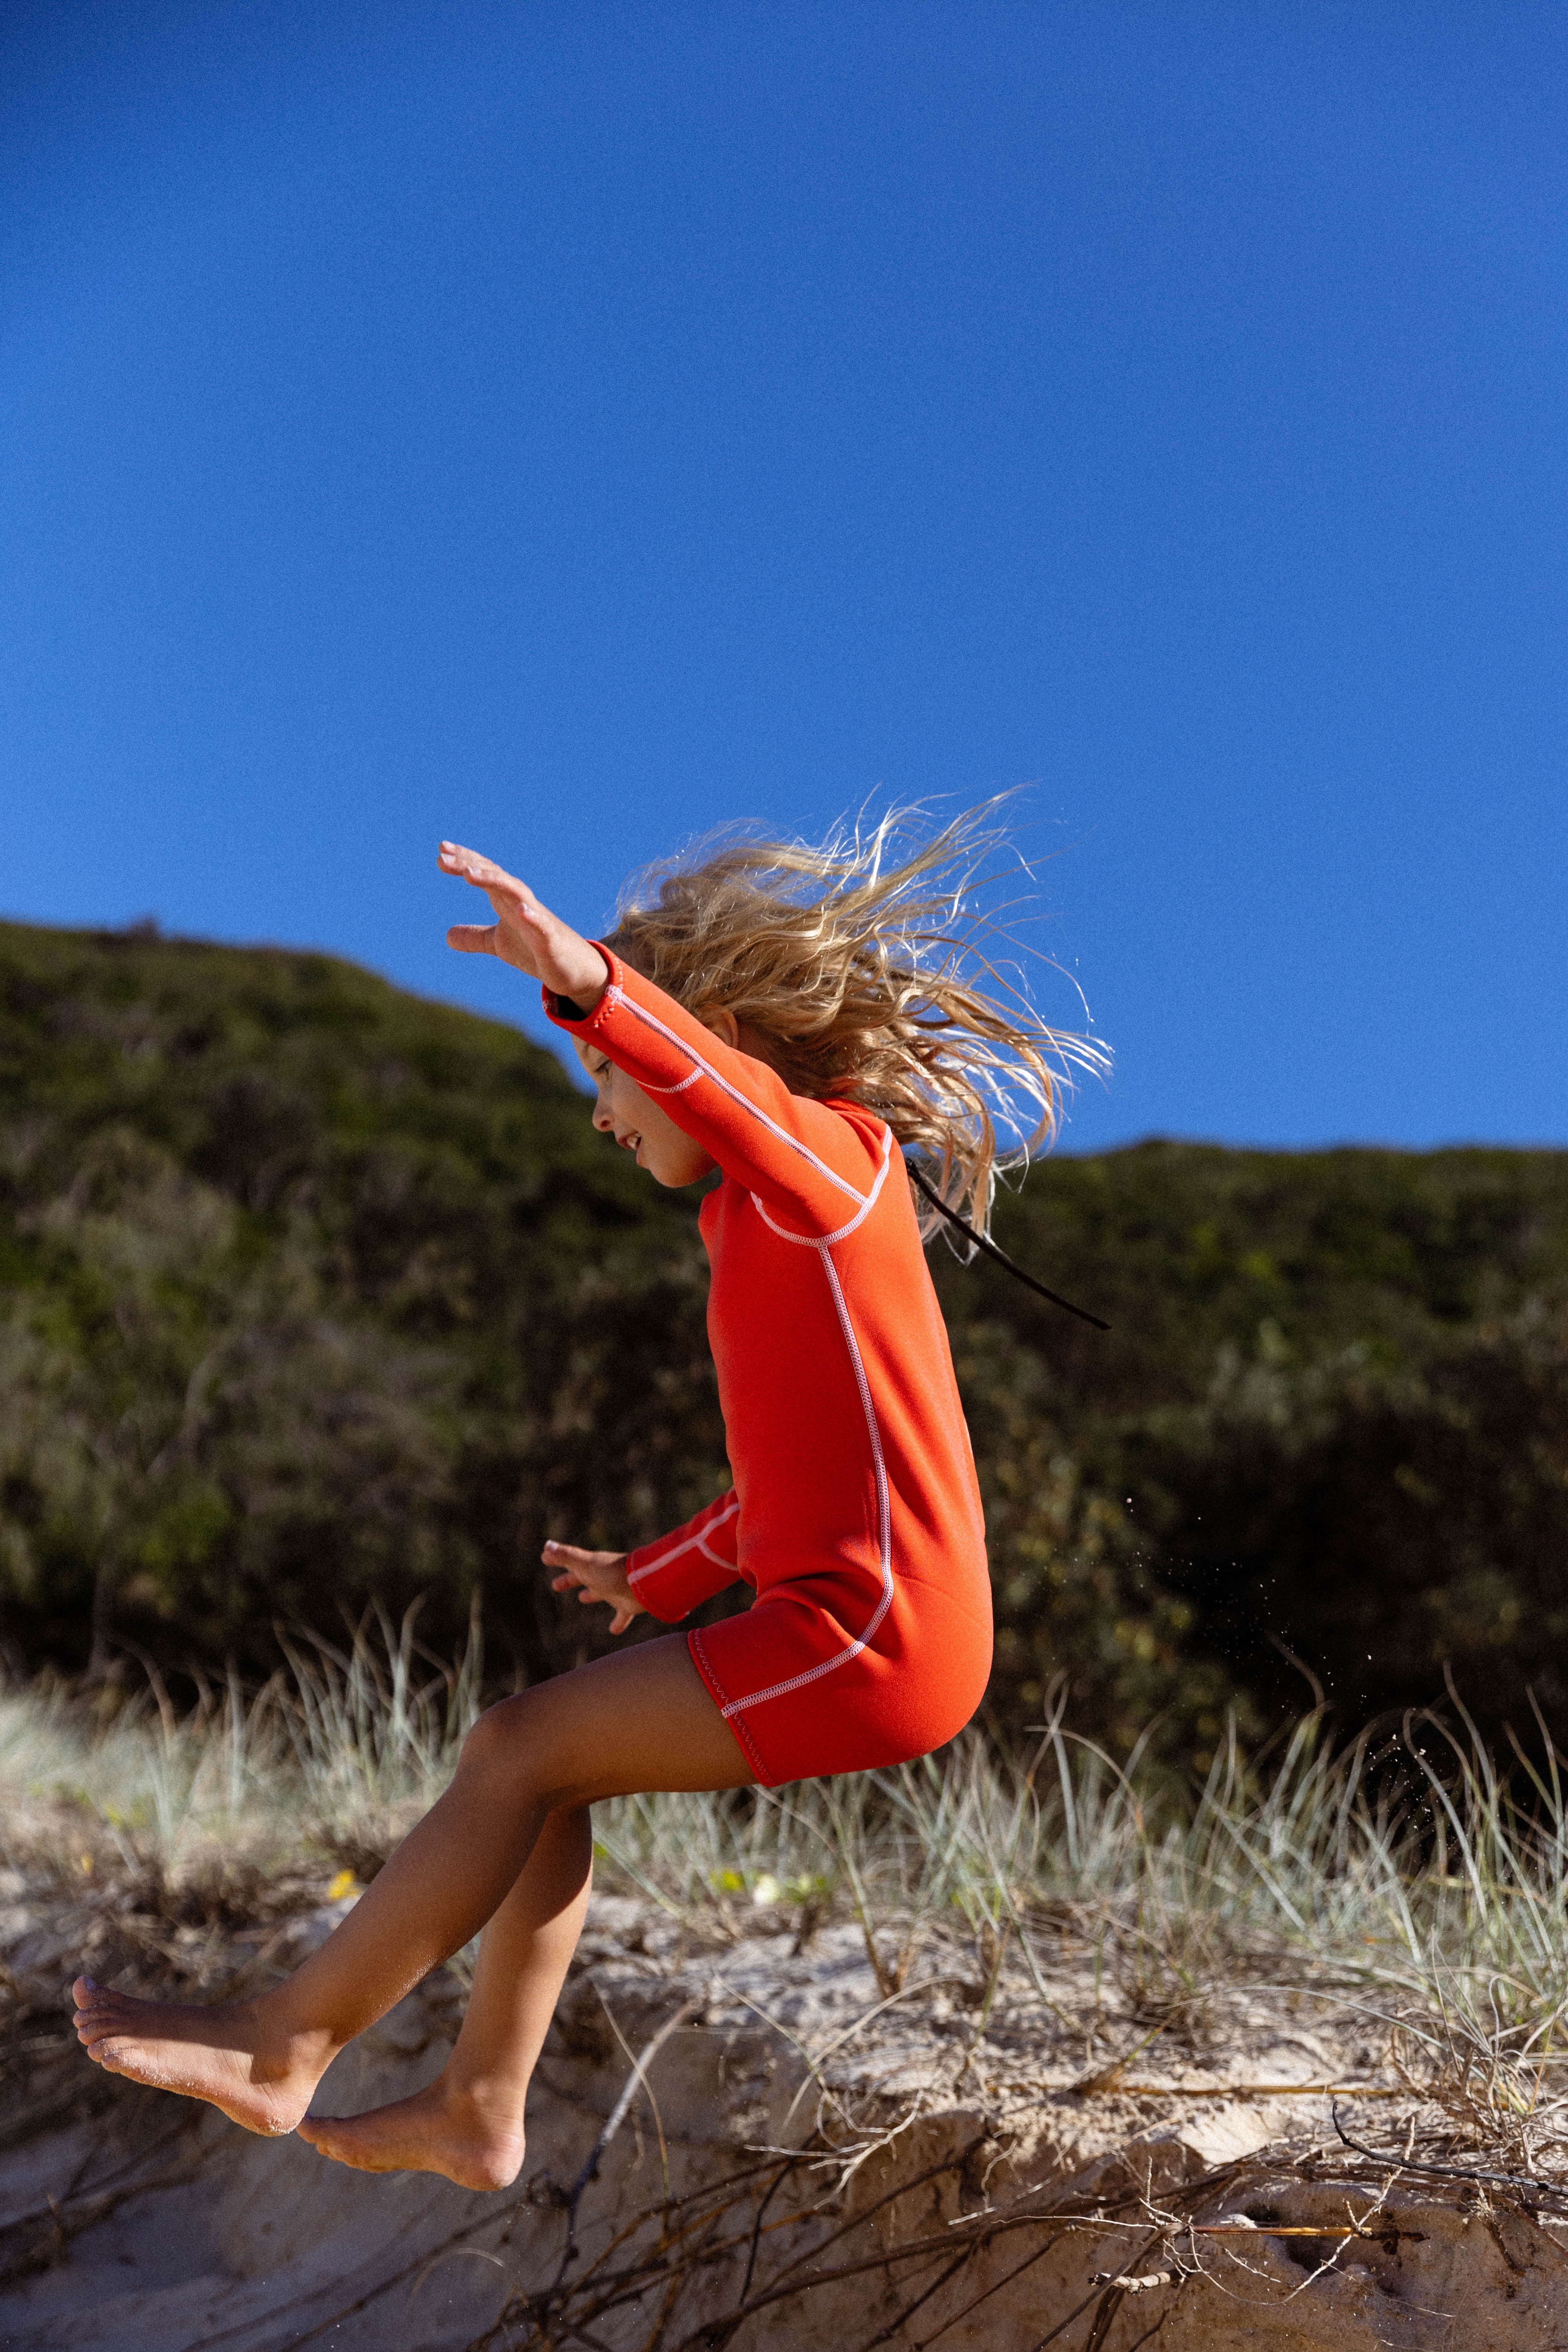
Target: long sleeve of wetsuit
x,y
673,1573
810,1167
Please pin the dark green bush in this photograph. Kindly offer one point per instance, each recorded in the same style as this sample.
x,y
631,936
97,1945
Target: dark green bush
x,y
314,1293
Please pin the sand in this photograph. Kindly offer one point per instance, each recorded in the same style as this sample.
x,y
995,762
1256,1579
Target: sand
x,y
834,2166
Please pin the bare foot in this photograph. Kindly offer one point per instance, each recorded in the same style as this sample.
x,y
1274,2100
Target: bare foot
x,y
222,2054
466,2138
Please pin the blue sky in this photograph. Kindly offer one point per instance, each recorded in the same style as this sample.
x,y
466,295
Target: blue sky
x,y
565,427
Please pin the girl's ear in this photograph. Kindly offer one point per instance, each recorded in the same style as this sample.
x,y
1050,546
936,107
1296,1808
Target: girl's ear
x,y
723,1023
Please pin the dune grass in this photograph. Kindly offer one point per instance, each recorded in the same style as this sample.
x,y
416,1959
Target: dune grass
x,y
1406,1877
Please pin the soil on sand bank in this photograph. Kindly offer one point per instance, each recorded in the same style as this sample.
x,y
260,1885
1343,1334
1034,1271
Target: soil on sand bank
x,y
803,2154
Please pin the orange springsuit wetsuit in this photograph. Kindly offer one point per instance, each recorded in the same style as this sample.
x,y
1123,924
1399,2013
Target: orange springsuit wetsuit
x,y
855,1513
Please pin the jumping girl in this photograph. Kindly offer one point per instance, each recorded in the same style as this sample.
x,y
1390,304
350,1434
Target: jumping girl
x,y
790,1018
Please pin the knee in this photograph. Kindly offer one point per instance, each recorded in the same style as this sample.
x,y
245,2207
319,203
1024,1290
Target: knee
x,y
498,1738
522,1744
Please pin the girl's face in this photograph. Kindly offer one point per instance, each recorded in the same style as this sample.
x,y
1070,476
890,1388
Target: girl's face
x,y
638,1124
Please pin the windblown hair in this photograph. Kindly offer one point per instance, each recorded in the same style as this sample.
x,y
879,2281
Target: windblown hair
x,y
867,966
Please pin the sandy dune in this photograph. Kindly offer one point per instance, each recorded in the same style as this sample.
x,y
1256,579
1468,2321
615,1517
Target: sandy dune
x,y
827,2168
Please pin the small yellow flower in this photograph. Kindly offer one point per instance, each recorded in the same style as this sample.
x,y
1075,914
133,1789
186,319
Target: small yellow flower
x,y
345,1883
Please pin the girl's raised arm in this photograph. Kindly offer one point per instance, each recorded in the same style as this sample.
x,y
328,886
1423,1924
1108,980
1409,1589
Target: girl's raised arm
x,y
814,1171
524,933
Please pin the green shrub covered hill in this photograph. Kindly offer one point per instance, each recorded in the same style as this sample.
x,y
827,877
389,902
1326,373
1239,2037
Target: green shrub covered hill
x,y
315,1293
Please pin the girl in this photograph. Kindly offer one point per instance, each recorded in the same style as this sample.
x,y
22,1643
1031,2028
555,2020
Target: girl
x,y
788,1017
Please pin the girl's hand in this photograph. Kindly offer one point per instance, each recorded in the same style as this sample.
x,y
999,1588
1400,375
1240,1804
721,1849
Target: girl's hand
x,y
595,1576
524,933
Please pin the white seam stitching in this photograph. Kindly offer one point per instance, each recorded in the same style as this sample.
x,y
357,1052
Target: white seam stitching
x,y
884,1517
716,1686
618,996
652,1567
822,1241
648,1088
695,1543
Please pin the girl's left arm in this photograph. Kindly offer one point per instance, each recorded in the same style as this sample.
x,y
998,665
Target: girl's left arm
x,y
814,1168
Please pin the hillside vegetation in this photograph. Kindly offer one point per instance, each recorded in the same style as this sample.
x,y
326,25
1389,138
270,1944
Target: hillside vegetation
x,y
315,1293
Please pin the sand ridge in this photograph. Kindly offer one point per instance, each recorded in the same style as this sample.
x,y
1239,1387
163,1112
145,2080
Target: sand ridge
x,y
827,2154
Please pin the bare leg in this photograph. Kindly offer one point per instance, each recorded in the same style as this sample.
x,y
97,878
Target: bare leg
x,y
642,1719
468,2123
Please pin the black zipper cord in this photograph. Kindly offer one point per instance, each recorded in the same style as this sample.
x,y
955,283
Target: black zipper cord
x,y
1001,1256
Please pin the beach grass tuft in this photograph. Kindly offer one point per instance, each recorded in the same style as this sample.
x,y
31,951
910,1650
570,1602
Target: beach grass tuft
x,y
1405,1876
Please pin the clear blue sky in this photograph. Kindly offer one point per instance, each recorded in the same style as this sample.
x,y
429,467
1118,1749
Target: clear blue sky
x,y
566,426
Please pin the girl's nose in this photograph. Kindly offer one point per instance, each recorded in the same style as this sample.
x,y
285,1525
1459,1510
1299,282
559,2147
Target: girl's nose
x,y
601,1118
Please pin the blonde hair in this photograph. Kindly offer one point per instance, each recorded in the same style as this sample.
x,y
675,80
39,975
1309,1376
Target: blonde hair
x,y
867,966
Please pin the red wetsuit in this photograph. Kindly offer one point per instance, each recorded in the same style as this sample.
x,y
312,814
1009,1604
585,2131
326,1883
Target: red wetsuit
x,y
855,1513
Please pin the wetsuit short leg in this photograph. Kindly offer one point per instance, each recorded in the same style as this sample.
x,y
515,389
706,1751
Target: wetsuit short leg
x,y
801,1697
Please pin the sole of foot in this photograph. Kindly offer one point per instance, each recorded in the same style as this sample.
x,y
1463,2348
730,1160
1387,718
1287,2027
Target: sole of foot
x,y
199,2054
433,2131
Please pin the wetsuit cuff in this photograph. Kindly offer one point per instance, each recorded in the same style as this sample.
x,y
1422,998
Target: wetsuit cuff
x,y
566,1015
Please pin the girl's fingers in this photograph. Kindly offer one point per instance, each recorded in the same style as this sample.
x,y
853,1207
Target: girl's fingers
x,y
473,938
482,872
453,858
575,1582
578,1575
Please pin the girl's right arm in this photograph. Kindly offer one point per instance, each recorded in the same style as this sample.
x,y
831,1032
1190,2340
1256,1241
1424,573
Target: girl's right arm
x,y
673,1573
667,1577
